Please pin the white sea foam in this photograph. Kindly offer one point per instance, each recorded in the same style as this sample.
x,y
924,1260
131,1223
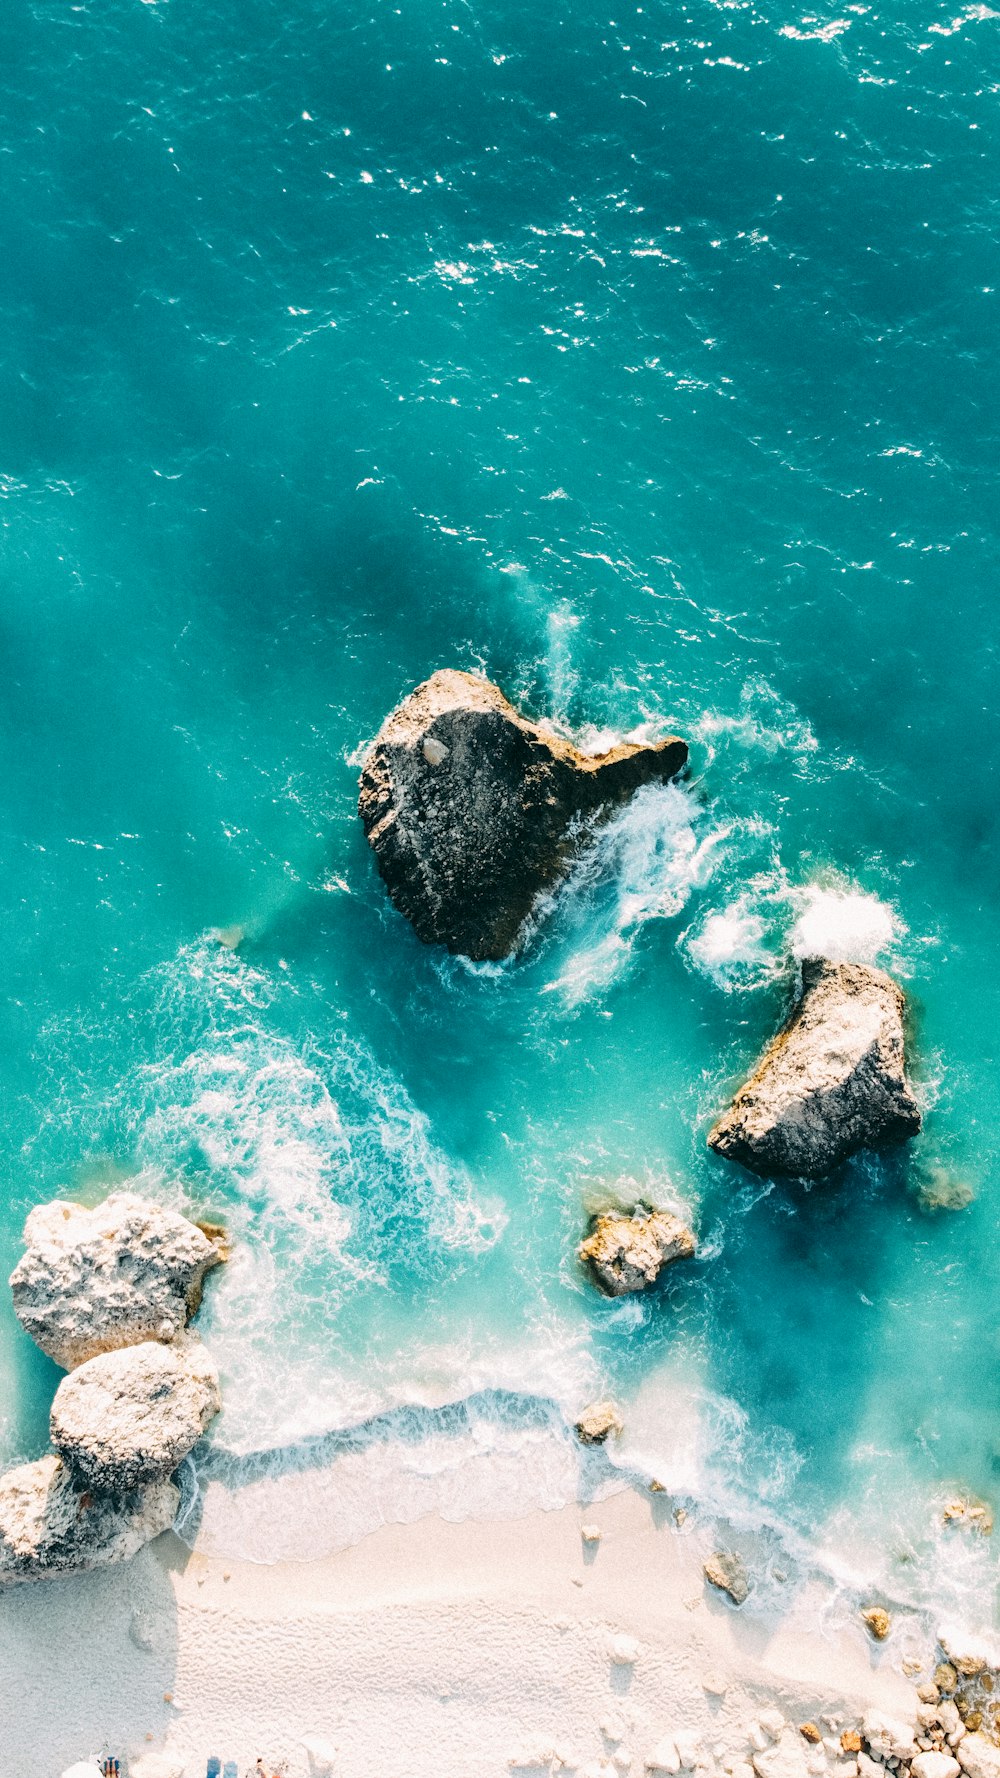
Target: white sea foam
x,y
643,865
844,925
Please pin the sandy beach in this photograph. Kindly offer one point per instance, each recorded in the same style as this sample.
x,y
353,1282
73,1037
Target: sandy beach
x,y
452,1650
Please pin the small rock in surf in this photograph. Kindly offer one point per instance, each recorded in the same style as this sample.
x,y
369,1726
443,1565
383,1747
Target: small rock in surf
x,y
626,1253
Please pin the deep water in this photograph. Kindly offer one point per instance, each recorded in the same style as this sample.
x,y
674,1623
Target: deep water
x,y
645,359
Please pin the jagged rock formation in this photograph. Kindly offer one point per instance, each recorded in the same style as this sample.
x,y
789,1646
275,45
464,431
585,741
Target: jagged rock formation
x,y
127,1418
628,1253
49,1526
469,807
832,1081
95,1280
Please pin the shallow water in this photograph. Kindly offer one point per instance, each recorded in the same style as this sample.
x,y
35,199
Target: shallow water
x,y
646,361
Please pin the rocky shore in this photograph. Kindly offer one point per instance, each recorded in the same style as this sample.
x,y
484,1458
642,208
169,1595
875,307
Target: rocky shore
x,y
108,1293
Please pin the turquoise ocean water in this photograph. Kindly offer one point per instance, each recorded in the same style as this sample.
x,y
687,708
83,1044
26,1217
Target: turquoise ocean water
x,y
645,358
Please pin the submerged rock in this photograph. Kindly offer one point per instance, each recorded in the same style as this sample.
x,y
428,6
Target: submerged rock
x,y
49,1526
468,808
627,1253
832,1081
94,1280
599,1422
127,1418
728,1572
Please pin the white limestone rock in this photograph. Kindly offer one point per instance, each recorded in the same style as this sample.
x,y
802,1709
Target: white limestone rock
x,y
935,1765
786,1759
887,1737
663,1759
92,1281
978,1756
126,1418
49,1526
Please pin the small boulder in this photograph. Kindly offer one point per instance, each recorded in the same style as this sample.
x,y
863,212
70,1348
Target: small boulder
x,y
126,1418
787,1759
627,1253
91,1281
978,1756
727,1571
599,1422
935,1765
878,1621
469,807
888,1738
49,1526
833,1080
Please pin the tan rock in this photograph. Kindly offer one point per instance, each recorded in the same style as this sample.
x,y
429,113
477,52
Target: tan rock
x,y
599,1422
878,1620
627,1253
727,1571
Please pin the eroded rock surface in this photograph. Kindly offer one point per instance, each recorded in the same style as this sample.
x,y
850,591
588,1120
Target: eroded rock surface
x,y
92,1281
468,808
833,1080
628,1253
49,1526
127,1418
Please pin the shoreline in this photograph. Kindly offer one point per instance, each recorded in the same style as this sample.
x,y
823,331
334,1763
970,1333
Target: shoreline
x,y
448,1649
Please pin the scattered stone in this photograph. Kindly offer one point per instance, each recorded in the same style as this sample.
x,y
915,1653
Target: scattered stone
x,y
946,1676
656,1487
627,1253
95,1280
810,1732
599,1422
929,1693
715,1684
624,1650
49,1526
591,1533
680,1515
850,1741
612,1728
773,1722
126,1418
868,1767
935,1765
833,1080
471,809
878,1620
727,1571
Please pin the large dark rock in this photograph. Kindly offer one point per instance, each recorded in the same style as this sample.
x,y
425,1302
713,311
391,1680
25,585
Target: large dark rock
x,y
469,807
831,1082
